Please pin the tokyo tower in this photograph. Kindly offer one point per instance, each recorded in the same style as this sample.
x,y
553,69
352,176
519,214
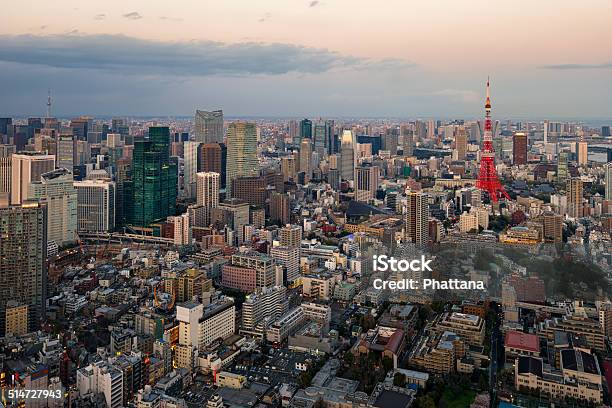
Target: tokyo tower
x,y
487,176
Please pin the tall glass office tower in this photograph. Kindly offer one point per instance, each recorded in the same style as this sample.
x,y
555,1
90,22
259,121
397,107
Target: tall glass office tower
x,y
155,179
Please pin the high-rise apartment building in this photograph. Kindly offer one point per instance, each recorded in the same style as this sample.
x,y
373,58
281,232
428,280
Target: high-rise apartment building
x,y
608,181
519,148
289,258
241,151
280,208
367,178
417,214
27,167
56,190
207,193
290,236
266,303
23,266
95,205
306,157
6,151
461,143
574,197
208,126
154,174
582,154
552,228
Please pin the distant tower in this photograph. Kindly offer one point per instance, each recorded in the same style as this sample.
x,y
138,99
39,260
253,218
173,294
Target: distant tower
x,y
487,177
49,104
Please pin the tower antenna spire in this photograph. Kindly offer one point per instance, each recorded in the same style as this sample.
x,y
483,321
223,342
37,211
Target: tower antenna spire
x,y
487,176
49,103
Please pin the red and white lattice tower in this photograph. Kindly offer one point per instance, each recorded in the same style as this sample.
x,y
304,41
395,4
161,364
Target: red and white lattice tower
x,y
487,176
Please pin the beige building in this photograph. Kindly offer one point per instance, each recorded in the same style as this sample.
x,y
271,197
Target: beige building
x,y
16,319
579,377
27,167
470,328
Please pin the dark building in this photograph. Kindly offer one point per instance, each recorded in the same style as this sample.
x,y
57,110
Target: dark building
x,y
605,131
80,127
280,210
213,157
373,140
154,179
305,129
5,124
250,189
23,267
519,148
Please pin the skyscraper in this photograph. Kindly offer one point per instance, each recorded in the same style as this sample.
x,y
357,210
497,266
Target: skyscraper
x,y
6,151
95,205
306,157
23,270
191,152
241,151
305,129
417,214
582,155
208,184
366,182
348,155
154,178
208,126
80,127
66,151
57,191
213,157
321,138
608,178
461,143
562,167
574,197
519,148
27,167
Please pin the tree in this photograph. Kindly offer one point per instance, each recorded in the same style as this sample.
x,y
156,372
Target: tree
x,y
399,380
349,358
368,322
425,402
387,363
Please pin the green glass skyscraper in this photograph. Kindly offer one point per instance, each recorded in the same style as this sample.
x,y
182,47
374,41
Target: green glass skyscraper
x,y
155,179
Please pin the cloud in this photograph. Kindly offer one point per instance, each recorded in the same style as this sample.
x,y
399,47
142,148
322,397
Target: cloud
x,y
42,27
131,56
607,65
313,3
134,15
458,94
266,17
100,16
170,18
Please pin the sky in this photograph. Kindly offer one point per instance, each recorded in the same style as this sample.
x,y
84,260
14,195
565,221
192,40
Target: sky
x,y
327,58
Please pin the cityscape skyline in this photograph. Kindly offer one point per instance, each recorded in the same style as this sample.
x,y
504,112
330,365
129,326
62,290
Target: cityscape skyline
x,y
403,60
